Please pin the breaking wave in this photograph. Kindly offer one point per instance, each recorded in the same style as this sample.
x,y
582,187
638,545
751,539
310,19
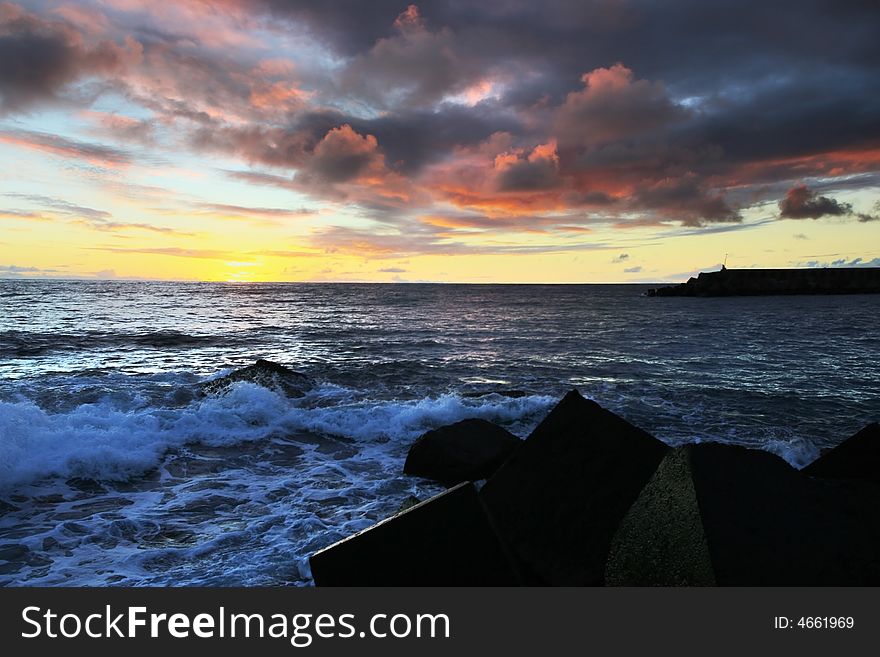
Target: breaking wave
x,y
115,438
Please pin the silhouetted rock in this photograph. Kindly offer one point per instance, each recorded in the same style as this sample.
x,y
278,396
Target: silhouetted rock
x,y
750,282
465,451
759,521
263,373
660,541
444,541
857,457
558,500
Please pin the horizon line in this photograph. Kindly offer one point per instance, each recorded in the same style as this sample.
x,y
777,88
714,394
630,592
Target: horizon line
x,y
341,282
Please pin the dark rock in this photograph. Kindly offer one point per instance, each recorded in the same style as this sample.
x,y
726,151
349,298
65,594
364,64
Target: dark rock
x,y
180,397
559,499
465,451
444,541
660,541
263,373
762,523
858,457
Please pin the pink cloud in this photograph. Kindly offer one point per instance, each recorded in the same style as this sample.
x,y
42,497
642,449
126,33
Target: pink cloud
x,y
613,105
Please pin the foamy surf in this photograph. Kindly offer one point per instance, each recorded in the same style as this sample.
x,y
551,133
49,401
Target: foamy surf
x,y
115,439
118,491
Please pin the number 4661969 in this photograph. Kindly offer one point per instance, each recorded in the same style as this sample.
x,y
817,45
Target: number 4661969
x,y
814,622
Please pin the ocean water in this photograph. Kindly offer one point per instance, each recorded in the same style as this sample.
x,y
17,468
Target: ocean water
x,y
113,470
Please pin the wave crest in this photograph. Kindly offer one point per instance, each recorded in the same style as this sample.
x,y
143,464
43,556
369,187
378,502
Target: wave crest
x,y
108,441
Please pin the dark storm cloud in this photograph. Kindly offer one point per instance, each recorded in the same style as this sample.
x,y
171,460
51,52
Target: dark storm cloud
x,y
413,138
803,203
33,67
409,140
529,175
349,26
769,87
688,200
39,57
815,112
690,42
418,66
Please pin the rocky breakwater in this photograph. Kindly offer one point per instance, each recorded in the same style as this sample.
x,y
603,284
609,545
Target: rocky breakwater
x,y
590,499
757,282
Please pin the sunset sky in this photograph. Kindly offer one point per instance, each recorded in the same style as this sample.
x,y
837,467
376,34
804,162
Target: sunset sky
x,y
500,140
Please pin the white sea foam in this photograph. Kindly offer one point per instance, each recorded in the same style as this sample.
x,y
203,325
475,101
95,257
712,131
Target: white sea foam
x,y
114,439
798,452
192,525
405,420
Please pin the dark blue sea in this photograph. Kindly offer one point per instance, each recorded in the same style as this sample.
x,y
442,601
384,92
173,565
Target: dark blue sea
x,y
113,470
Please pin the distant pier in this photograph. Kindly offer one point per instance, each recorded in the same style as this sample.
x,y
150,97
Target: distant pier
x,y
754,282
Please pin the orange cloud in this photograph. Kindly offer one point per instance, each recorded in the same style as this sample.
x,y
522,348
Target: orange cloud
x,y
409,20
343,154
498,179
829,164
277,95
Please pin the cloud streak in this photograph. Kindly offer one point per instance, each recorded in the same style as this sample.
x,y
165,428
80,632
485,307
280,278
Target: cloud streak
x,y
172,251
97,154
